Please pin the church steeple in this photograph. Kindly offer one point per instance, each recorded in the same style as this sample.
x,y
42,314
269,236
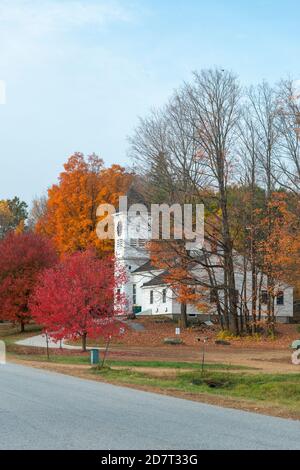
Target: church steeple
x,y
130,251
130,247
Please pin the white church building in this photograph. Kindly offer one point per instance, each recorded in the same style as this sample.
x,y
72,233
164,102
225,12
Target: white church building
x,y
148,294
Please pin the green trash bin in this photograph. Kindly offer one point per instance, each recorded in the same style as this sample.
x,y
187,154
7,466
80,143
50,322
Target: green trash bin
x,y
136,309
94,356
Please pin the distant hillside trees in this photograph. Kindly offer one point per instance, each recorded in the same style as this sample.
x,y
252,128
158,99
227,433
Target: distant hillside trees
x,y
13,214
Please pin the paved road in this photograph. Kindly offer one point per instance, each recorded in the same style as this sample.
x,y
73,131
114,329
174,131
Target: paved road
x,y
44,410
40,341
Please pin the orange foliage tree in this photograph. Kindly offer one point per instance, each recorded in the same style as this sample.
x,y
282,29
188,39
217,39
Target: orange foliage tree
x,y
279,250
177,264
70,219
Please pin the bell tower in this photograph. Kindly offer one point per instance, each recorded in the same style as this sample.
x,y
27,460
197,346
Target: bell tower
x,y
130,250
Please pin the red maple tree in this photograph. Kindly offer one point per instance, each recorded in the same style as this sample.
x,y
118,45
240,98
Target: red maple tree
x,y
75,299
22,257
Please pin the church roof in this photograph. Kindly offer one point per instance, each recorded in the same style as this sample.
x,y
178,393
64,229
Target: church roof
x,y
148,266
156,281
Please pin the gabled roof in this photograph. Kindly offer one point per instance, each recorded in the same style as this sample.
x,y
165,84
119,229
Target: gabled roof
x,y
156,281
148,266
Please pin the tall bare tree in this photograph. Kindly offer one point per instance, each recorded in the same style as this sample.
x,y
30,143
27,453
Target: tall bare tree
x,y
289,132
214,101
192,143
264,103
249,157
37,210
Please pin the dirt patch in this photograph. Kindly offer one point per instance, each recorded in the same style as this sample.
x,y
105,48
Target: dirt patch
x,y
264,360
265,354
155,332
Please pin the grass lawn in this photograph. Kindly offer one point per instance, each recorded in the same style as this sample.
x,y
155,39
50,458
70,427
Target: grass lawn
x,y
280,390
85,359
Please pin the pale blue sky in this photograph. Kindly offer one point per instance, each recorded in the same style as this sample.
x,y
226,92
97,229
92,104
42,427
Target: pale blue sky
x,y
79,72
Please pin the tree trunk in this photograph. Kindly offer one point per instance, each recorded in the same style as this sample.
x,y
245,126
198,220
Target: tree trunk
x,y
270,305
84,337
22,324
254,293
228,266
183,316
244,323
220,315
259,297
253,262
226,307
